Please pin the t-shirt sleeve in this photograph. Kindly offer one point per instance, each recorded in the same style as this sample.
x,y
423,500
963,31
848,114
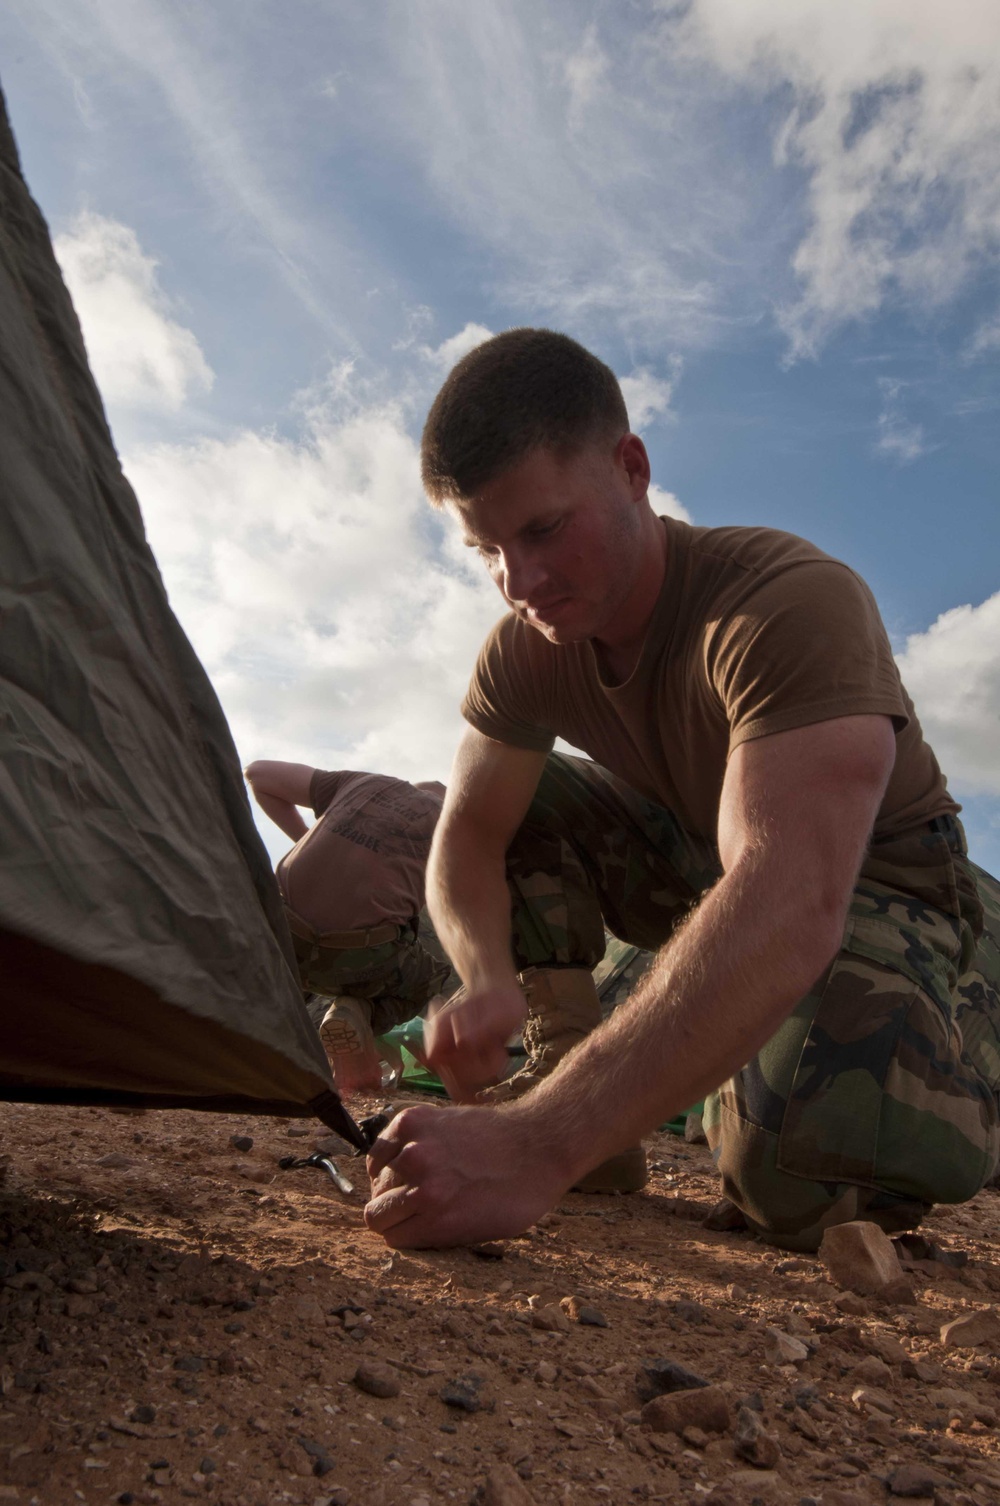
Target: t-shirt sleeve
x,y
805,646
324,786
507,694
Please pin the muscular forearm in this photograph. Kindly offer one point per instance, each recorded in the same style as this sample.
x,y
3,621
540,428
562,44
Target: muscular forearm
x,y
282,813
717,992
469,905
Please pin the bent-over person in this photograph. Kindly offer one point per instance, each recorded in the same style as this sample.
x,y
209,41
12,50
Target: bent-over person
x,y
353,887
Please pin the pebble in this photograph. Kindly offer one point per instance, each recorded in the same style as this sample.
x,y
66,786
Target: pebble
x,y
377,1380
546,1372
973,1329
503,1487
706,1407
242,1143
853,1305
143,1413
115,1161
858,1255
752,1443
927,1371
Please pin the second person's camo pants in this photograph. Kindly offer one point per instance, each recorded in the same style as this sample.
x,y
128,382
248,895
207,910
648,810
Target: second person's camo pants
x,y
878,1095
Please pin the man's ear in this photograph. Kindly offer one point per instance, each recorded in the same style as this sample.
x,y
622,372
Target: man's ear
x,y
631,454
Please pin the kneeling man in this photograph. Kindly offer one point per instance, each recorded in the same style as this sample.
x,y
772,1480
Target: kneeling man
x,y
761,806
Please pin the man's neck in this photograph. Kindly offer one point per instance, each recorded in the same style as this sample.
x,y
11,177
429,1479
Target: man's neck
x,y
618,656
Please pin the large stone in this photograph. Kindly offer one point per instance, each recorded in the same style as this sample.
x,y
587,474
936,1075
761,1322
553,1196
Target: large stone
x,y
660,1377
861,1258
973,1329
706,1407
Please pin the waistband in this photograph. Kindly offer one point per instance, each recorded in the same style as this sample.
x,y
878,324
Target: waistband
x,y
344,940
946,826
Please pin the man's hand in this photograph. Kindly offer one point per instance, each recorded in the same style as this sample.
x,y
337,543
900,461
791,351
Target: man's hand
x,y
444,1177
465,1038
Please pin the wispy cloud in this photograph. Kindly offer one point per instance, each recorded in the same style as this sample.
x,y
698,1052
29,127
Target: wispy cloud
x,y
142,357
952,672
648,396
895,121
898,438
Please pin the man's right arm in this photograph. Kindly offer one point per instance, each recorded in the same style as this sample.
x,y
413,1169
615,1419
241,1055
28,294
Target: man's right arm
x,y
489,791
278,788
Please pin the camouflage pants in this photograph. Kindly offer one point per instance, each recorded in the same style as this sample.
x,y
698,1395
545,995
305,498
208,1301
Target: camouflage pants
x,y
398,978
878,1095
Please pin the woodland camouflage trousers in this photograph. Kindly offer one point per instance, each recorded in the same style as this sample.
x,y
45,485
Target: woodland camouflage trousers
x,y
398,978
879,1094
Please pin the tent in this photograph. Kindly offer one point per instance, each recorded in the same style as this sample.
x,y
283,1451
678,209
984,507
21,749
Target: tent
x,y
143,952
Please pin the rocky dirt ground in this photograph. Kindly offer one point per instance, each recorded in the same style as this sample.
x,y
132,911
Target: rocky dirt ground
x,y
183,1320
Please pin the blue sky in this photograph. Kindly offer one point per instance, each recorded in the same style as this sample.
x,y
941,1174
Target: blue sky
x,y
778,220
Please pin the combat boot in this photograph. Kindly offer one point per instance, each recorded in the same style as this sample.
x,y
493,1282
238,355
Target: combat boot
x,y
563,1008
349,1041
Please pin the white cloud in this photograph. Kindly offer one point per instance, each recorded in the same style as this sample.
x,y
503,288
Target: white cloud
x,y
336,615
584,70
141,357
647,396
895,120
898,439
952,671
451,351
665,502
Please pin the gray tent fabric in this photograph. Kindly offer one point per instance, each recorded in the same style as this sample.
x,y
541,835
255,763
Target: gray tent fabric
x,y
143,951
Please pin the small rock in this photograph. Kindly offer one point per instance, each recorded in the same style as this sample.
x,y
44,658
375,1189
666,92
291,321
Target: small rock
x,y
377,1380
886,1347
490,1249
706,1407
580,1312
973,1329
463,1392
694,1129
696,1437
752,1443
783,1349
546,1372
242,1143
143,1413
80,1307
299,1131
115,1161
550,1319
322,1463
858,1255
192,1363
724,1218
916,1480
853,1305
690,1312
503,1487
871,1371
869,1399
208,1465
661,1377
927,1371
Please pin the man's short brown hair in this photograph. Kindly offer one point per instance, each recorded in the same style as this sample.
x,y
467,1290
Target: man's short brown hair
x,y
522,390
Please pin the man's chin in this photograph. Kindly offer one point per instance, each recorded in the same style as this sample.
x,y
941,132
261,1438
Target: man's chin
x,y
565,629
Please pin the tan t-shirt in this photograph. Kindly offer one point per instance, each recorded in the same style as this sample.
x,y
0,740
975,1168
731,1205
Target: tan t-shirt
x,y
754,632
363,862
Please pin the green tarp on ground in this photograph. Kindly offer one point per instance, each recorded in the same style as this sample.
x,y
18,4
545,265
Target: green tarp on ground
x,y
143,953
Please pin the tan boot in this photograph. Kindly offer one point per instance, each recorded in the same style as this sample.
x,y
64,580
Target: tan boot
x,y
349,1041
563,1008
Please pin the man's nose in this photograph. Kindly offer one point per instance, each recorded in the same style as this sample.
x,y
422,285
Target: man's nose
x,y
523,573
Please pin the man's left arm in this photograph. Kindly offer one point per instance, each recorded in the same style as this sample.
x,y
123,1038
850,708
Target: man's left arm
x,y
796,815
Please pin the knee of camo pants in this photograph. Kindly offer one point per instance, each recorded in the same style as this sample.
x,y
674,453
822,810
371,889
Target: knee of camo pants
x,y
865,1103
792,1212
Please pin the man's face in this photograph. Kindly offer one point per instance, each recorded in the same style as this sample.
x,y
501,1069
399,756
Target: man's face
x,y
561,537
